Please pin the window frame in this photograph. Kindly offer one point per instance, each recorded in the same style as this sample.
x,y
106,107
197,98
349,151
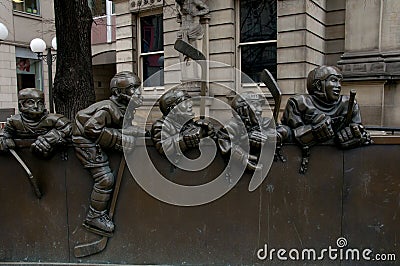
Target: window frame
x,y
109,10
37,64
239,47
24,8
140,54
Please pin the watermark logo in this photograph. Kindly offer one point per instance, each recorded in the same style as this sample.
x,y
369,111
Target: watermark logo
x,y
160,187
339,252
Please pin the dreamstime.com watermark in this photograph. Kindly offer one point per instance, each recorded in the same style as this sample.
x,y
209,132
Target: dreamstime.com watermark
x,y
339,252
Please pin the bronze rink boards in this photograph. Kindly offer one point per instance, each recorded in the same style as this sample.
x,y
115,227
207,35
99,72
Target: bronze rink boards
x,y
353,194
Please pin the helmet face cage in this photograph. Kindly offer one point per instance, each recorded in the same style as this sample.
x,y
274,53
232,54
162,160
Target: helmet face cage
x,y
31,94
171,99
123,81
242,105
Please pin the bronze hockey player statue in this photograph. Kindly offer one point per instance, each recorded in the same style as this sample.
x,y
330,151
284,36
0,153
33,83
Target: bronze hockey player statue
x,y
98,128
247,109
48,131
324,114
177,131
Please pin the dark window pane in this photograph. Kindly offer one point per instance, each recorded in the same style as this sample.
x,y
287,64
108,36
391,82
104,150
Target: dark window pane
x,y
98,7
31,6
25,81
28,73
257,57
152,64
28,6
152,33
257,20
18,6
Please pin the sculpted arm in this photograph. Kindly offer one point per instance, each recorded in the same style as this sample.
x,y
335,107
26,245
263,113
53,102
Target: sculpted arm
x,y
165,142
58,135
292,119
227,147
354,134
318,129
61,132
101,128
6,139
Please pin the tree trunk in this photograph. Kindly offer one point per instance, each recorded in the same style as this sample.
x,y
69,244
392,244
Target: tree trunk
x,y
73,83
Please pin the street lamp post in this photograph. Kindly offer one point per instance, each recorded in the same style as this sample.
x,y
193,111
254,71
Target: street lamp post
x,y
38,46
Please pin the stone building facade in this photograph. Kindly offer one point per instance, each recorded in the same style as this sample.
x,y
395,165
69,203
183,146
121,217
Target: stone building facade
x,y
361,37
21,68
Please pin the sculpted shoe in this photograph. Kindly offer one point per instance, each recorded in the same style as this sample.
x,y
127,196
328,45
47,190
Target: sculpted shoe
x,y
99,223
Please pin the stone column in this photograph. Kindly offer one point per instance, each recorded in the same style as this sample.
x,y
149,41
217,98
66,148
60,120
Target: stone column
x,y
8,77
301,43
371,61
125,37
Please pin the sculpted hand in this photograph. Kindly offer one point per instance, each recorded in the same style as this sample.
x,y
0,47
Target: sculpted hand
x,y
128,142
125,140
257,138
191,137
207,128
322,128
6,144
352,136
42,147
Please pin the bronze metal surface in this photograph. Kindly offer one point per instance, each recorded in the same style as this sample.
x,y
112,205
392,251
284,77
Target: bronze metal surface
x,y
371,198
352,193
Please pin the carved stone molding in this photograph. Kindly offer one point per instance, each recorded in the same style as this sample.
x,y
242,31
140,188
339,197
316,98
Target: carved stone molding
x,y
141,5
370,65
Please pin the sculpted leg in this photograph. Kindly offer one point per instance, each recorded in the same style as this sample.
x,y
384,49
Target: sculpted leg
x,y
97,219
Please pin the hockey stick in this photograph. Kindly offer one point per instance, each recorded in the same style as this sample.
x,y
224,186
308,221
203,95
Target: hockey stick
x,y
269,81
191,52
350,109
87,249
188,50
31,178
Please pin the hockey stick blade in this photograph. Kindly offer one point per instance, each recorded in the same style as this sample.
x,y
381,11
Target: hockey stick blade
x,y
99,245
32,180
269,81
188,50
91,248
257,179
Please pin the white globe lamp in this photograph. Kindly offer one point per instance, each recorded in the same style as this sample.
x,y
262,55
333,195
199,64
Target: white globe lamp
x,y
54,43
3,32
37,45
